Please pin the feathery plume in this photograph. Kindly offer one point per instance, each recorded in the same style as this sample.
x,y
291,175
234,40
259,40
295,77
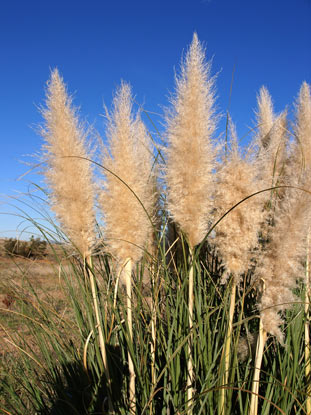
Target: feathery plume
x,y
190,155
281,263
271,139
127,225
264,116
68,176
302,127
237,233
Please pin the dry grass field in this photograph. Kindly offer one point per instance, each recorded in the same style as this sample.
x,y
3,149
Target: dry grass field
x,y
17,278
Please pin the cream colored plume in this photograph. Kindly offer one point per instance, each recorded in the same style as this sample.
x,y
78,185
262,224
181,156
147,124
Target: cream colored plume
x,y
272,141
237,233
264,116
190,155
281,263
127,225
303,125
68,176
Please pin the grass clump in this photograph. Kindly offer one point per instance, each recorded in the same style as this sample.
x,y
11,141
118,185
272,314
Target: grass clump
x,y
186,297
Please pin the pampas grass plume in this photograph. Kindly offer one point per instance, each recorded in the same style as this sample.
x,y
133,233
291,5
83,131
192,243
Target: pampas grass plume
x,y
68,176
281,262
190,155
303,124
237,233
264,116
272,140
127,225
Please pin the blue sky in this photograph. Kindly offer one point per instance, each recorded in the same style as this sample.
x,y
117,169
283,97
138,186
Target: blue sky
x,y
97,43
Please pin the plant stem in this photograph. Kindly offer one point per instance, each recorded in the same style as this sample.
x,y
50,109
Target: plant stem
x,y
128,278
307,328
259,353
102,344
190,374
227,348
153,335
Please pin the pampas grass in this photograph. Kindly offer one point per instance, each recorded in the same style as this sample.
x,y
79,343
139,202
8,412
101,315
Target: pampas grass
x,y
280,263
279,268
190,160
303,137
149,321
128,200
236,234
69,176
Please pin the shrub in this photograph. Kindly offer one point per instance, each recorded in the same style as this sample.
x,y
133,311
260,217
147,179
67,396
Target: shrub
x,y
35,248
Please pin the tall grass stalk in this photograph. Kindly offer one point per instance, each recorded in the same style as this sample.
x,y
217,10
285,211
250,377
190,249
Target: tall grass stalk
x,y
227,349
307,327
262,337
153,344
90,274
127,270
190,375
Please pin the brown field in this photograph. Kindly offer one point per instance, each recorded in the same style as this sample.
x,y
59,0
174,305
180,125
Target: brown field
x,y
17,276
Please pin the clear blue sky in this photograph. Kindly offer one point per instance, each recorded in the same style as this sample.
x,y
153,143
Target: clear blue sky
x,y
97,43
